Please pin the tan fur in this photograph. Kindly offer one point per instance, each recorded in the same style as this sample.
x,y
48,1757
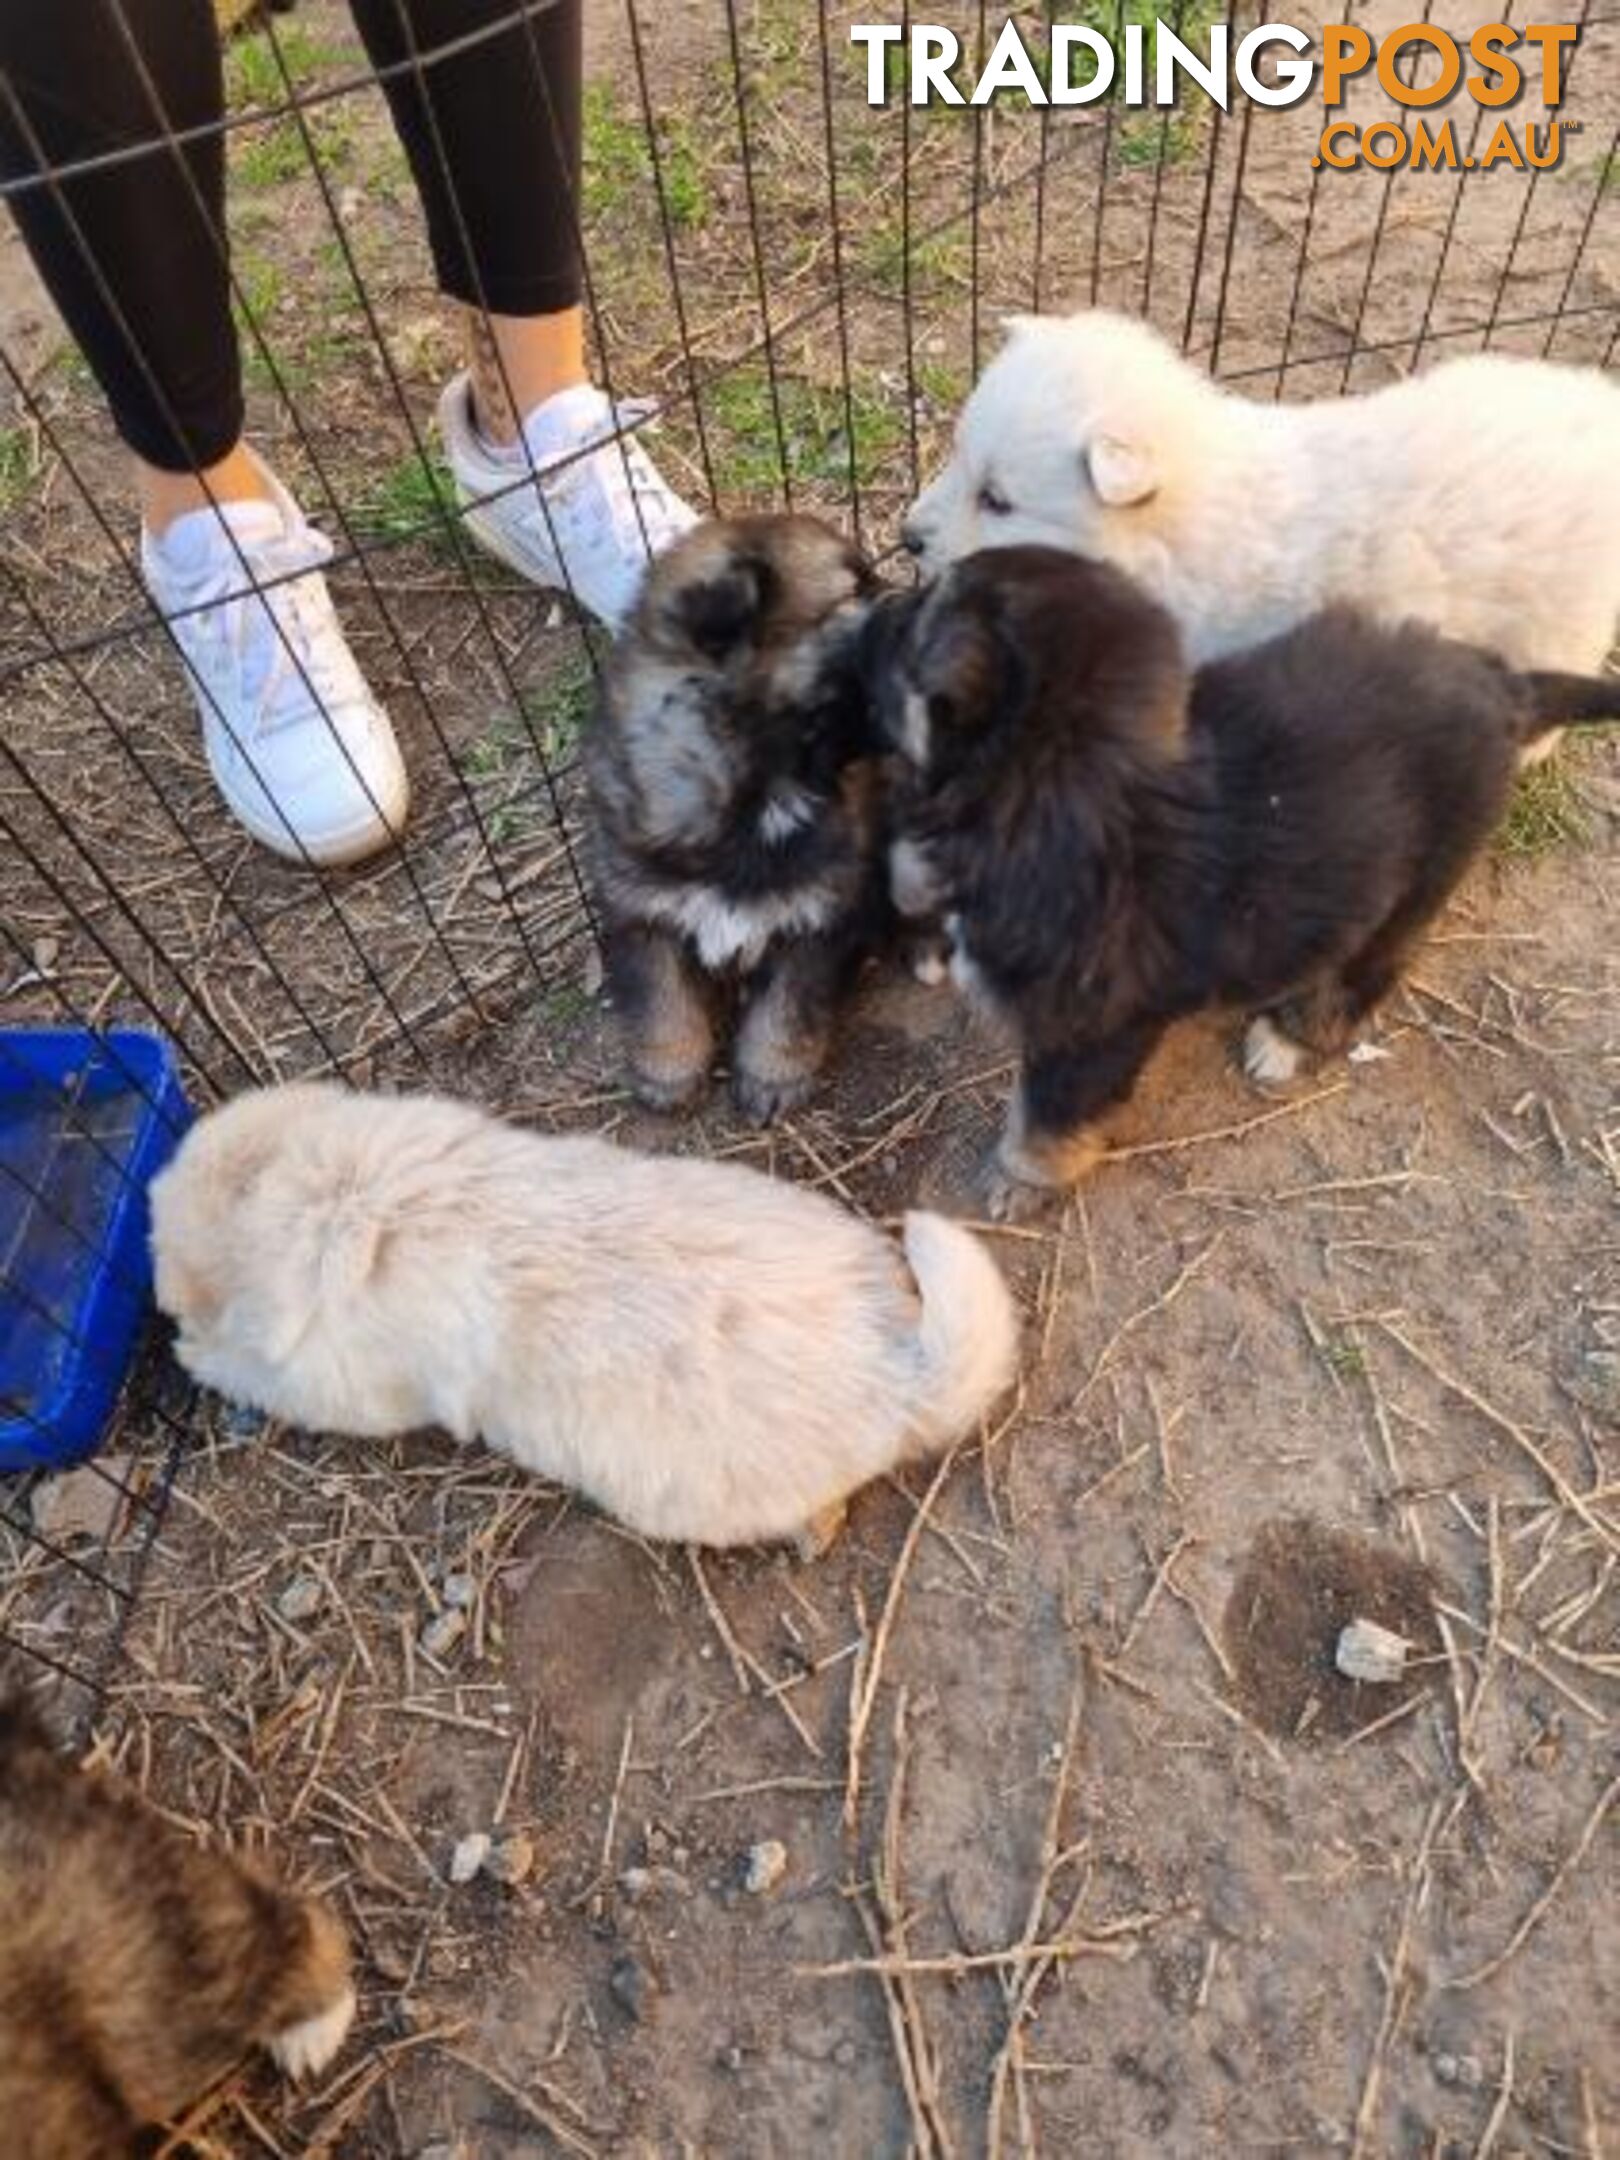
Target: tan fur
x,y
136,1968
1032,1167
709,1353
674,1040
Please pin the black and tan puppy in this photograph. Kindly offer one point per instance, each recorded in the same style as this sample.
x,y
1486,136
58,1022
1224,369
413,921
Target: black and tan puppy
x,y
1119,843
137,1968
735,847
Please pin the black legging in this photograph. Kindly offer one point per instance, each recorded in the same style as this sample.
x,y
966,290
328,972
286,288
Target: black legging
x,y
133,254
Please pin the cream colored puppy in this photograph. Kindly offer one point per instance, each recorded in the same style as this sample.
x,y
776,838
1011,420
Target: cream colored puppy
x,y
1482,497
709,1354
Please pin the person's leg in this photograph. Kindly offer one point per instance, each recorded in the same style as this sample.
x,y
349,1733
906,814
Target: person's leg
x,y
133,253
152,320
488,109
492,132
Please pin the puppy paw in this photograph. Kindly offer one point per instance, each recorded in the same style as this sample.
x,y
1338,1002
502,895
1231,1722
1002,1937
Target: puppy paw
x,y
667,1092
761,1100
930,960
1009,1198
822,1531
1271,1059
304,2050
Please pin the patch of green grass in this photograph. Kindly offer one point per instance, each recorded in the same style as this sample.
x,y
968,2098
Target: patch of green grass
x,y
556,716
566,1006
1547,811
546,727
259,292
252,76
411,501
780,46
941,384
18,468
743,431
943,258
617,167
1150,139
74,369
265,157
1344,1355
388,170
613,156
686,180
344,292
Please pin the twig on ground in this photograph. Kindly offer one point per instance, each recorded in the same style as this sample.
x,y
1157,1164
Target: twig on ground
x,y
1512,1430
1022,1981
1503,2101
722,1626
1537,1912
1187,1273
885,1931
1394,1969
551,2114
1227,1132
868,1671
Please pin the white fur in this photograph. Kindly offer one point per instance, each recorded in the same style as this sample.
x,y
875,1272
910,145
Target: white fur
x,y
783,815
1270,1058
914,731
913,881
708,1353
729,934
304,2050
1482,496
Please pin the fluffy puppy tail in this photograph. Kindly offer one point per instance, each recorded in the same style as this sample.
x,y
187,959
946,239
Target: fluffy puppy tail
x,y
1557,701
968,1333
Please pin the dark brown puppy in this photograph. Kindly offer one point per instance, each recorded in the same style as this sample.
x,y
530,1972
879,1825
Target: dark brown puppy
x,y
137,1968
735,850
1120,844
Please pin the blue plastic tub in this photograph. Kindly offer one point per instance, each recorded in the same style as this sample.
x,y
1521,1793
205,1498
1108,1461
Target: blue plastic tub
x,y
86,1121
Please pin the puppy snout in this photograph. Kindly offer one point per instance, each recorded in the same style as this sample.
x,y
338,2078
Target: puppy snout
x,y
911,538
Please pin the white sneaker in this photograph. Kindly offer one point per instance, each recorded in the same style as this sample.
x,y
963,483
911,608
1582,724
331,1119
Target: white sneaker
x,y
300,749
605,514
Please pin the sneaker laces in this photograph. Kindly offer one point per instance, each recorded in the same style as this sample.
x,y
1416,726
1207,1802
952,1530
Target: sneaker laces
x,y
302,655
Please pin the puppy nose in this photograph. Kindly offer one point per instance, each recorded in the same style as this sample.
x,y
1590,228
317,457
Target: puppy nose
x,y
911,539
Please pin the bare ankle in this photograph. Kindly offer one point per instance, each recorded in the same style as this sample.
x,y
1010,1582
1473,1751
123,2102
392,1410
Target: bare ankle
x,y
165,496
516,362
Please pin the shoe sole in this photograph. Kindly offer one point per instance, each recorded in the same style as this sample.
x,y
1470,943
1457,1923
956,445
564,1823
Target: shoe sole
x,y
331,851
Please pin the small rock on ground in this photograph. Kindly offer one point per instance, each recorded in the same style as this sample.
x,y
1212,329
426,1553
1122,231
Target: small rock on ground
x,y
767,1864
469,1856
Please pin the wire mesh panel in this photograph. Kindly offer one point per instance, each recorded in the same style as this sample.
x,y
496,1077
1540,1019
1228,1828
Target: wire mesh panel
x,y
801,286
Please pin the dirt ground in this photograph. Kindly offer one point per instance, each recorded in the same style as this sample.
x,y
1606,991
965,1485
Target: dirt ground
x,y
1035,1816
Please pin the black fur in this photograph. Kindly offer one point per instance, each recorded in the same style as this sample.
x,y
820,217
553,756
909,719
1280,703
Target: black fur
x,y
1122,844
734,699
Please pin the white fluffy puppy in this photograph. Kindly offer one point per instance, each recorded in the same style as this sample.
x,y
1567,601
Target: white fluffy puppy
x,y
1482,497
707,1353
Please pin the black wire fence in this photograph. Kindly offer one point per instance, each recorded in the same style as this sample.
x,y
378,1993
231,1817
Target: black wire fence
x,y
800,286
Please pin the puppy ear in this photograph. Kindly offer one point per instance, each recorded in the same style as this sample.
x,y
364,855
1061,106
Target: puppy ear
x,y
962,677
1121,472
1014,327
722,612
343,1252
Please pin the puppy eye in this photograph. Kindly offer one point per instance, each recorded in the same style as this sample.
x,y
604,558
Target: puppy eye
x,y
993,502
